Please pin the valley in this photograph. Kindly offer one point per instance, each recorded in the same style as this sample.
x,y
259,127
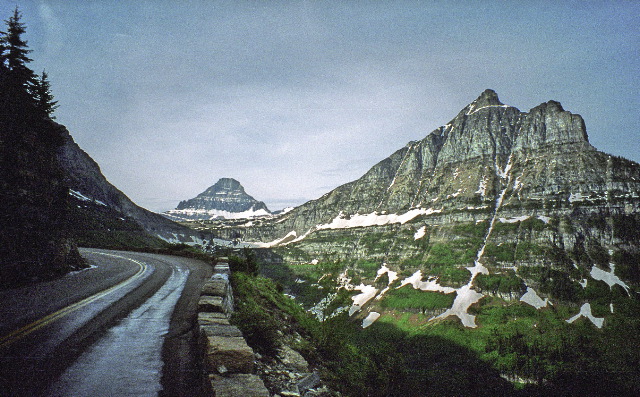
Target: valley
x,y
493,248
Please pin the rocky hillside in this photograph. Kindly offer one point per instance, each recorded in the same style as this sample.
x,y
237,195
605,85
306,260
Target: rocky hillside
x,y
225,199
101,214
496,202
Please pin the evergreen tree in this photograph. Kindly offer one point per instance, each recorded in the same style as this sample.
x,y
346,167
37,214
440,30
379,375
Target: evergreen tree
x,y
15,52
34,241
41,92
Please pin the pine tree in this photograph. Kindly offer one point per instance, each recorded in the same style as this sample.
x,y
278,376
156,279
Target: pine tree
x,y
15,57
34,241
41,92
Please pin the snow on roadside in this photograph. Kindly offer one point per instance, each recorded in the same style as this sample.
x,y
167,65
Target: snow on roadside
x,y
585,311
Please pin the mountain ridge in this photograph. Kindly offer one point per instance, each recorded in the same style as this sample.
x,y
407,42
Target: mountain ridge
x,y
490,138
96,198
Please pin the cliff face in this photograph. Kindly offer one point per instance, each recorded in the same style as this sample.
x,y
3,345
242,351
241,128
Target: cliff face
x,y
100,209
225,199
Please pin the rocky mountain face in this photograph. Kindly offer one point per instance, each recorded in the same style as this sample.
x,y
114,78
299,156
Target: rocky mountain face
x,y
102,214
497,202
489,151
225,199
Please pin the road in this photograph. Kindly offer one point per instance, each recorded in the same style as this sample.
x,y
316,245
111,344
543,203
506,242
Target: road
x,y
124,327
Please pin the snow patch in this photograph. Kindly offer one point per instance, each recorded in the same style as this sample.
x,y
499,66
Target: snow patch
x,y
371,318
366,293
585,311
544,219
531,297
286,239
473,109
190,213
76,194
430,285
393,276
482,188
514,220
374,219
465,297
420,233
517,184
576,197
608,277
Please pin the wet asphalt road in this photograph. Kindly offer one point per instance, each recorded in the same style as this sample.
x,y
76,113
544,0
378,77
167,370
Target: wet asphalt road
x,y
124,327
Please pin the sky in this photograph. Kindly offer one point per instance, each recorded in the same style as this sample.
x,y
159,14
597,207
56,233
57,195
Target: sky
x,y
294,98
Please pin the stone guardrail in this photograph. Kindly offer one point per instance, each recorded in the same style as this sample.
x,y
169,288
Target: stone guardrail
x,y
228,361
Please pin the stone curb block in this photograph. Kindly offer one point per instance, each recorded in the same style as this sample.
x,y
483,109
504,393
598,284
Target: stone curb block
x,y
231,352
245,385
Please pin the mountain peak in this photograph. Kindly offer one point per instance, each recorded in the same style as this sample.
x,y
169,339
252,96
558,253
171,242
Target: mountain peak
x,y
488,98
223,184
226,198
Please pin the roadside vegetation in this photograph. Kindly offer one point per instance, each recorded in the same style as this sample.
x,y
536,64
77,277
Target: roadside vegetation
x,y
516,350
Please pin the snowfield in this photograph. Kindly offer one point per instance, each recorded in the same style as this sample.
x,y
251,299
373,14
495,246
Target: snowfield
x,y
374,219
213,214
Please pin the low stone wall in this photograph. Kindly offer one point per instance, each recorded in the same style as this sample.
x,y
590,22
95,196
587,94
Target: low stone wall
x,y
229,363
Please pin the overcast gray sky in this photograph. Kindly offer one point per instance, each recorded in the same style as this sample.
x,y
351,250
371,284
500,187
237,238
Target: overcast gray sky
x,y
296,98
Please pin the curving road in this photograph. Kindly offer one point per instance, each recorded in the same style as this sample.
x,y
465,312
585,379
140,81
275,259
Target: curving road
x,y
124,327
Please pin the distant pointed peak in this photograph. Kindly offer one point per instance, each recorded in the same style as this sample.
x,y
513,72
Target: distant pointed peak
x,y
223,185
